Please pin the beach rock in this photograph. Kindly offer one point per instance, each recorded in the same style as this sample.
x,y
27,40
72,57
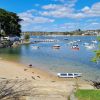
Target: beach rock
x,y
33,78
30,65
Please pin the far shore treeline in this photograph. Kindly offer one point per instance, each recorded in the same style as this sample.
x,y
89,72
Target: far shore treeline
x,y
76,32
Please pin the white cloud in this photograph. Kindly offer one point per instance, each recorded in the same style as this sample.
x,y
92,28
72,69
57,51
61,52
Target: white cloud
x,y
93,11
92,25
58,7
52,12
86,9
42,20
95,23
51,6
68,11
61,11
77,15
65,27
67,1
29,17
56,10
70,26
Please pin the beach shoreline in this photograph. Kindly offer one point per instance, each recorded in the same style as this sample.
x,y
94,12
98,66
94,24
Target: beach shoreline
x,y
46,83
23,68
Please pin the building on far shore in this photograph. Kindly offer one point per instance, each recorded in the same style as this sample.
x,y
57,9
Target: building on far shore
x,y
11,38
91,32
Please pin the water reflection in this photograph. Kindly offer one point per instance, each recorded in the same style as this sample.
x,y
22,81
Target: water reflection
x,y
64,59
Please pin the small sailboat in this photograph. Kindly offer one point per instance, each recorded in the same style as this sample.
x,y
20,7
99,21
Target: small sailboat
x,y
69,75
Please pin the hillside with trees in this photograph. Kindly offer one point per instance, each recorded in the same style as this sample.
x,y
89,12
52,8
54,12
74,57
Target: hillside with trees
x,y
9,23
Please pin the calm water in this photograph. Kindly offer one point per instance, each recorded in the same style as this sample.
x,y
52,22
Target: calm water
x,y
62,60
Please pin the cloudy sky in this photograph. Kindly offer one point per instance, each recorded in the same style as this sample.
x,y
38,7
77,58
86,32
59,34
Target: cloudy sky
x,y
55,15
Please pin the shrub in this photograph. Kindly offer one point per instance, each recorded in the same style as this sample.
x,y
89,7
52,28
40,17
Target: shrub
x,y
27,36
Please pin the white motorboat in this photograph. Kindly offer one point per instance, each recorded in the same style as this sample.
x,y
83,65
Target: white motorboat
x,y
94,41
78,40
85,43
35,47
56,46
69,75
75,47
65,38
90,46
72,42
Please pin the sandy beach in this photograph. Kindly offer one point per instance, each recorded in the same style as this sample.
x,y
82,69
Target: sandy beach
x,y
48,86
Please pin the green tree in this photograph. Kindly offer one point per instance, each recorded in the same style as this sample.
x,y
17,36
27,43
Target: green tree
x,y
98,38
9,23
27,36
97,52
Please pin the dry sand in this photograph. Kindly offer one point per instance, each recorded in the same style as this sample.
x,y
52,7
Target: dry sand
x,y
47,85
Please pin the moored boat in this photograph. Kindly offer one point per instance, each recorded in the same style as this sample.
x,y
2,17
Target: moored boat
x,y
65,38
90,46
69,75
75,47
94,41
56,46
35,47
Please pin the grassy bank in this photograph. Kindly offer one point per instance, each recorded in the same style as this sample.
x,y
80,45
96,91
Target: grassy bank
x,y
88,94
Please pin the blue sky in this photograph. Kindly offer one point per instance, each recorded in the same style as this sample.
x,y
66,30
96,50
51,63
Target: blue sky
x,y
55,15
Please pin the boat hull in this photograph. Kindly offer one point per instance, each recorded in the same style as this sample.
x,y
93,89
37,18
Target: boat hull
x,y
69,75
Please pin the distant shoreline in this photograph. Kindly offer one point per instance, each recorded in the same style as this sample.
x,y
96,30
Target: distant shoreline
x,y
58,35
74,32
10,69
